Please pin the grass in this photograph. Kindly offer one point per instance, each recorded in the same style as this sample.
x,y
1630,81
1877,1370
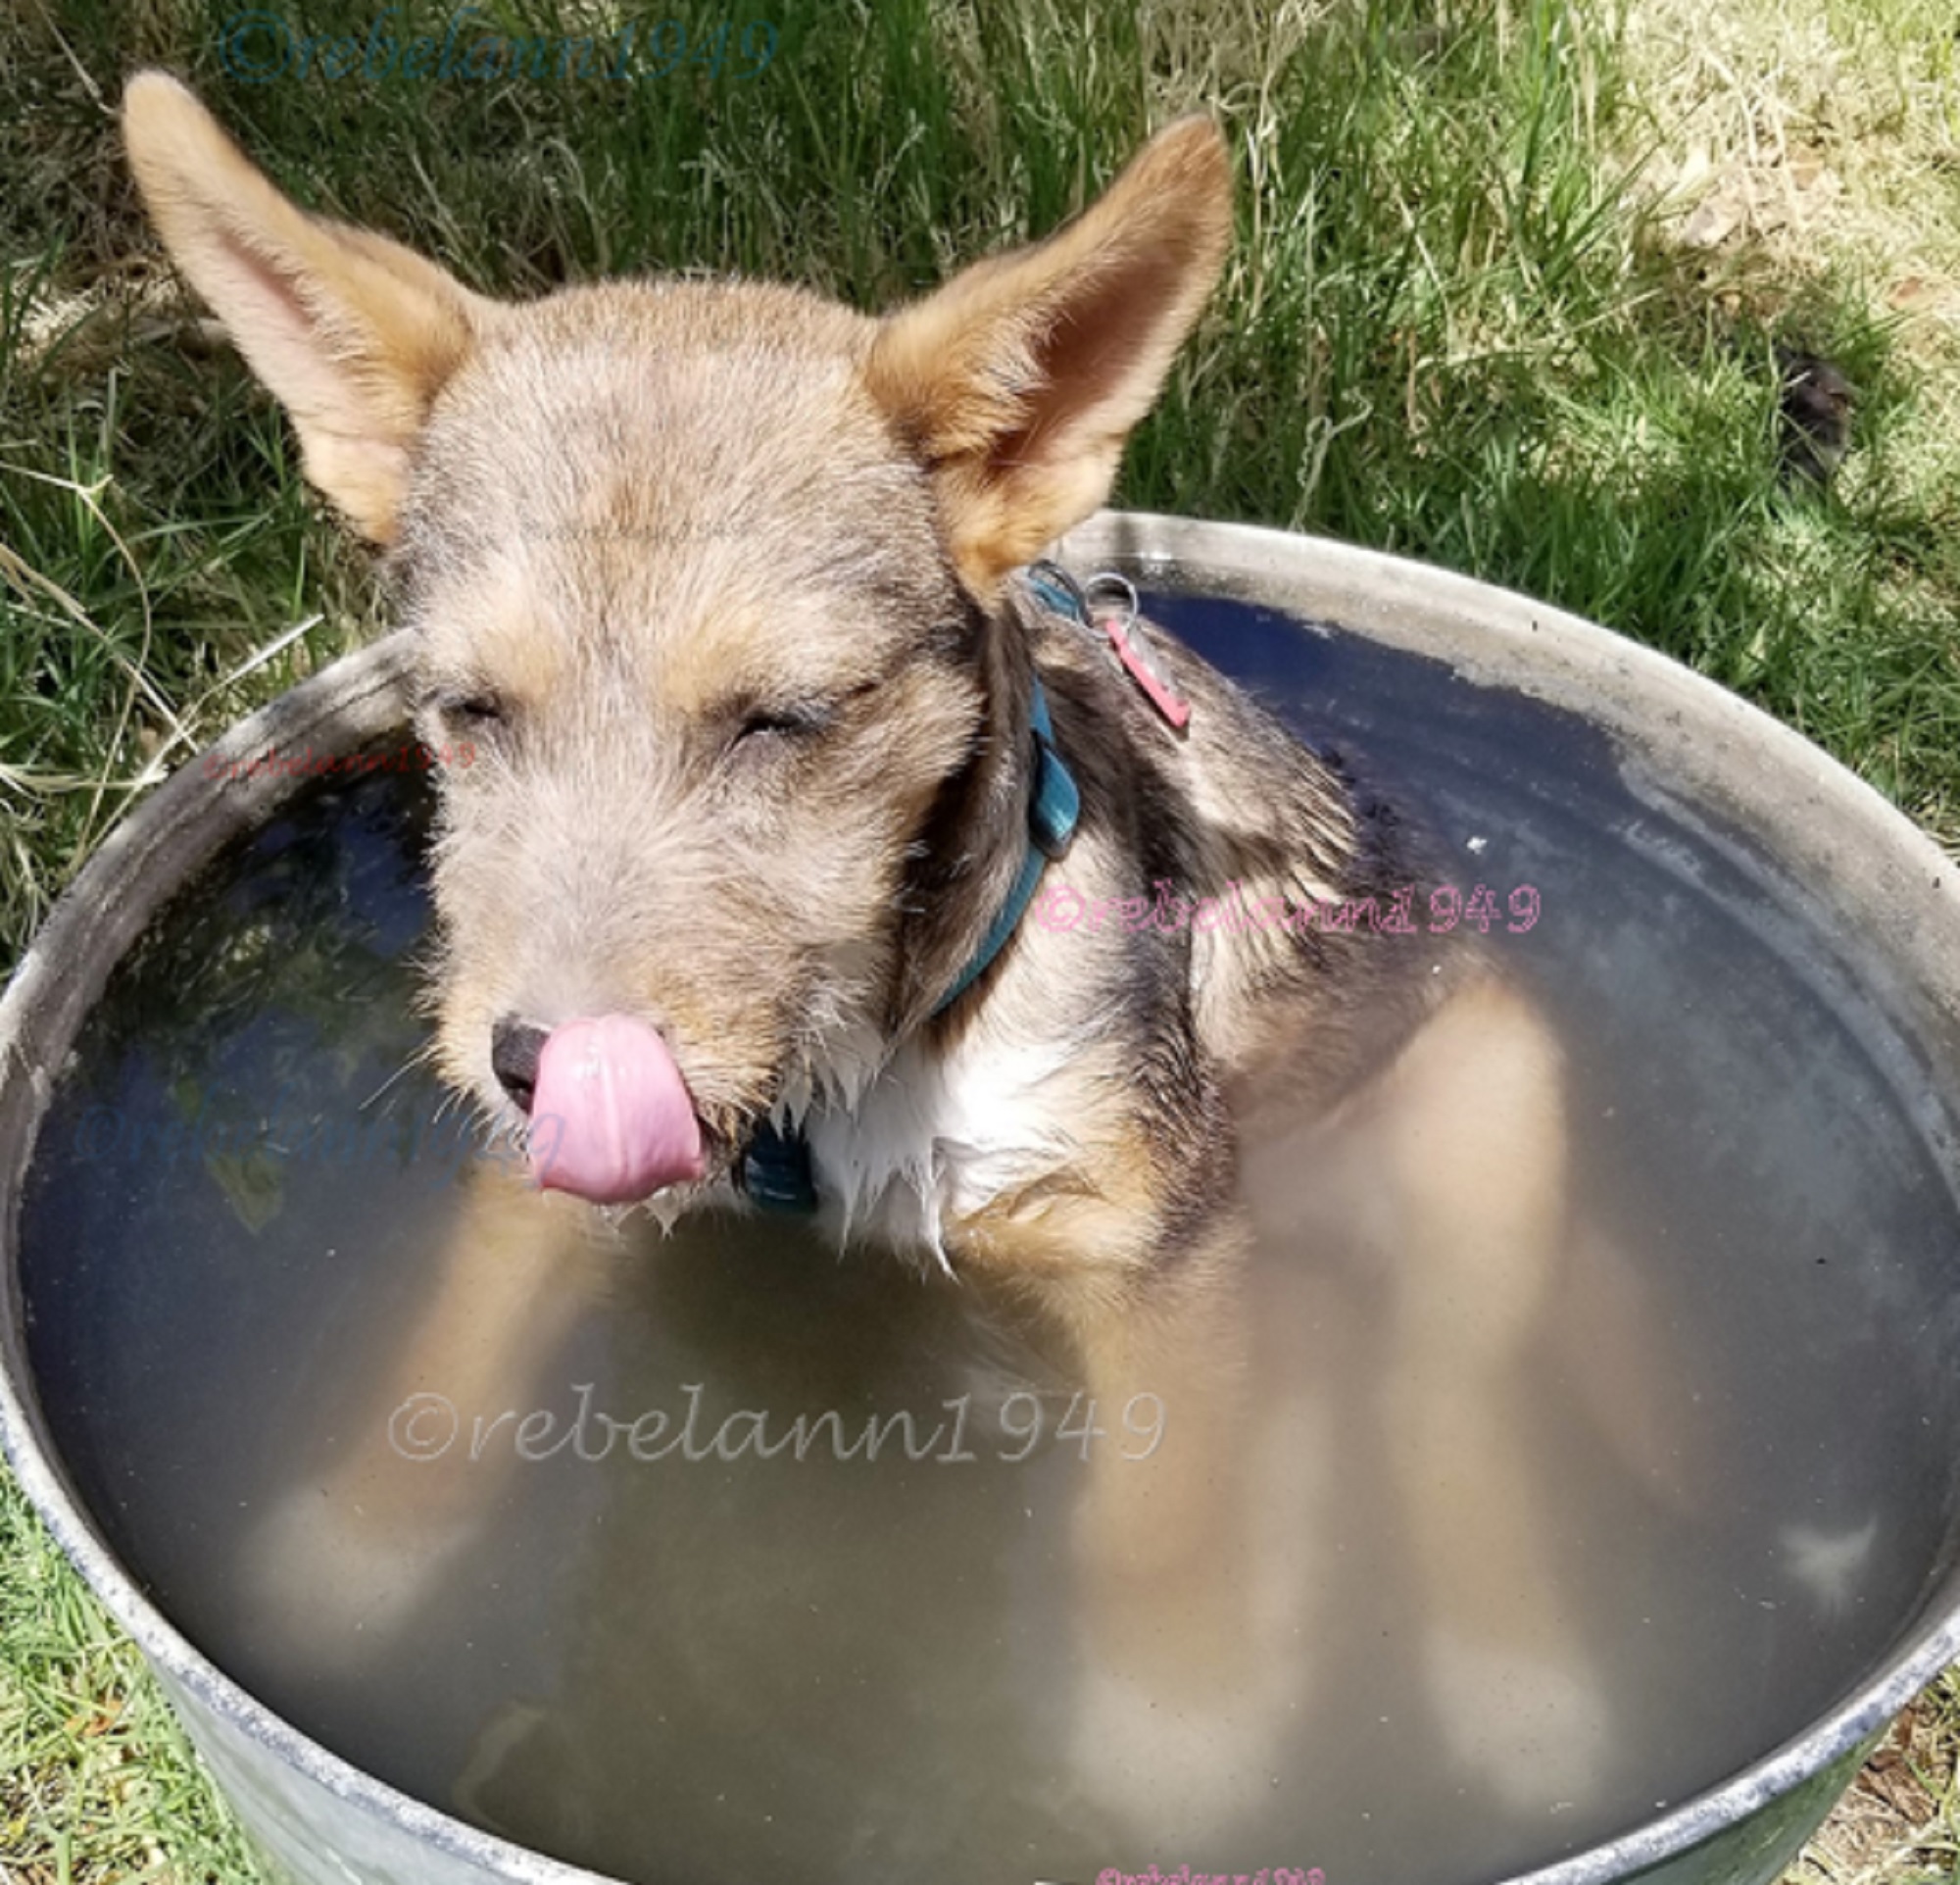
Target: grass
x,y
1509,280
97,1781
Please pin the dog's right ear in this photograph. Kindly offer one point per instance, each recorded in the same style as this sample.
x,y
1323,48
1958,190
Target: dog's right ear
x,y
353,333
1017,383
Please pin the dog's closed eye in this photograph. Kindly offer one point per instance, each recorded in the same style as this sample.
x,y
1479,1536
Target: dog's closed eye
x,y
763,728
483,708
760,727
466,706
805,717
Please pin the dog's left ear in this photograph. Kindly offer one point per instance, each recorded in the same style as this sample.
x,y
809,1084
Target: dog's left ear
x,y
354,334
1019,380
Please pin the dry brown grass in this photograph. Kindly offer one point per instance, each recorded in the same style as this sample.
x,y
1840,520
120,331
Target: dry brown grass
x,y
1801,139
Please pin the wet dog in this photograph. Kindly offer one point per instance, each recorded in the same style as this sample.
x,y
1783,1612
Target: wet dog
x,y
777,738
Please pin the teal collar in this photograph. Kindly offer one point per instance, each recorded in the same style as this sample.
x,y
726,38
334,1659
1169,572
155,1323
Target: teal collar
x,y
775,1169
1053,811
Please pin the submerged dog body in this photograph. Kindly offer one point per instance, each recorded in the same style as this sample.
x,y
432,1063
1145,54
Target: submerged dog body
x,y
719,581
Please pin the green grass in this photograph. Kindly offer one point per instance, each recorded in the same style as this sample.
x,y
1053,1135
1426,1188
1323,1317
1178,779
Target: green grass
x,y
97,1781
1468,319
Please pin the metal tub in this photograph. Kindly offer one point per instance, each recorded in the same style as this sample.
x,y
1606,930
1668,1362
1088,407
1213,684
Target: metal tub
x,y
1822,851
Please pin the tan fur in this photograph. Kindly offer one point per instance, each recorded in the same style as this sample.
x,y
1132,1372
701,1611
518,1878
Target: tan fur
x,y
629,516
1020,381
355,334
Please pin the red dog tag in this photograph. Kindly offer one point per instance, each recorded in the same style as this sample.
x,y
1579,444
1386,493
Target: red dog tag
x,y
1177,711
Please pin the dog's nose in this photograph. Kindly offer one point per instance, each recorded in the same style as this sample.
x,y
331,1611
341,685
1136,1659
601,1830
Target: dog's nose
x,y
515,1046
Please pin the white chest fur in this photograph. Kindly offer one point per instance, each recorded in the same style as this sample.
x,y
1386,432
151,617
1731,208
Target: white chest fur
x,y
935,1136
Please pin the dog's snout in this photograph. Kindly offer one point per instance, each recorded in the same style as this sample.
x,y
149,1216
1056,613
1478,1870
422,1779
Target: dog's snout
x,y
515,1046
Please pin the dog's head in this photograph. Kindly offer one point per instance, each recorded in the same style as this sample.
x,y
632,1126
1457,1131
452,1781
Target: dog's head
x,y
705,578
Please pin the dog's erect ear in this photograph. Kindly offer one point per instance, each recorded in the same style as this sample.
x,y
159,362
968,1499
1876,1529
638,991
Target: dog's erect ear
x,y
1019,380
351,333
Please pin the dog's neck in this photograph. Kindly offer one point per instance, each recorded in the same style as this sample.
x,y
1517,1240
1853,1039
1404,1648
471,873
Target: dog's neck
x,y
776,1167
1054,804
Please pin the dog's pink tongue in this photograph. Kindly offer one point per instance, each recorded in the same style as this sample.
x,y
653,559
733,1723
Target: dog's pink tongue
x,y
610,1117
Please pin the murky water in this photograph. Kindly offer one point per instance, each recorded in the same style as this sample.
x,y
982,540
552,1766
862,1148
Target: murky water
x,y
624,1635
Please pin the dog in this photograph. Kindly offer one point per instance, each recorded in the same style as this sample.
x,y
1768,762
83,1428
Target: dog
x,y
776,736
